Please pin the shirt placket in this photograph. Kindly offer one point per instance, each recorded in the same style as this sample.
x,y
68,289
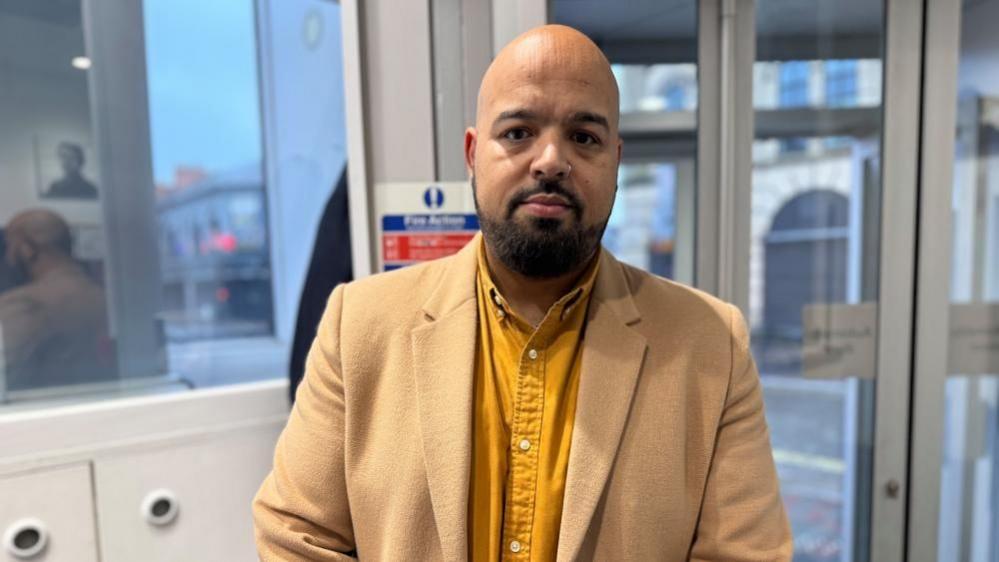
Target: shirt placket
x,y
525,445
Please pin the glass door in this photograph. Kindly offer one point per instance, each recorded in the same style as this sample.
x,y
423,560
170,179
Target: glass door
x,y
814,257
968,527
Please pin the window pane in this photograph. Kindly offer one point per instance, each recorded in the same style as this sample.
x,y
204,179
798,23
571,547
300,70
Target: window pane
x,y
813,259
159,272
969,478
204,116
53,297
642,228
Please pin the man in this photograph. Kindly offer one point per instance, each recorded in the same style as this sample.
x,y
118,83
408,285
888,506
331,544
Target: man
x,y
456,411
55,325
72,185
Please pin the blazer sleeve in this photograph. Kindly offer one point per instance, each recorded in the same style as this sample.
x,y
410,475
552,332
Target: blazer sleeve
x,y
301,511
742,516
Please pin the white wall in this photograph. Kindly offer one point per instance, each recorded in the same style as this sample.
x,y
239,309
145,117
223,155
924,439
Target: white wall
x,y
42,97
398,91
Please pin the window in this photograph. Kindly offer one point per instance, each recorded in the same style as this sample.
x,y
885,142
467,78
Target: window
x,y
657,87
675,96
208,169
794,80
814,233
841,83
651,225
154,255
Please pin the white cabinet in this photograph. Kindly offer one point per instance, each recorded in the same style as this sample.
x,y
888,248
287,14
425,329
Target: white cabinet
x,y
51,511
190,501
143,479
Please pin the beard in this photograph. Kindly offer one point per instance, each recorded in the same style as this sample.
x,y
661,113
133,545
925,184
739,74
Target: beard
x,y
540,247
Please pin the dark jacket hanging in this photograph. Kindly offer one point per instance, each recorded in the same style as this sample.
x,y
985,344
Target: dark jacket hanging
x,y
330,266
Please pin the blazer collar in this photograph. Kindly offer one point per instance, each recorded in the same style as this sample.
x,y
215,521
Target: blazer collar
x,y
457,281
613,291
443,348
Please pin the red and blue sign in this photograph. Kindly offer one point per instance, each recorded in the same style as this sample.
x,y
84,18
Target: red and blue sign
x,y
414,238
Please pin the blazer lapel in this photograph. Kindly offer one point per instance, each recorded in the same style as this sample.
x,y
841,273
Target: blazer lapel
x,y
443,366
612,359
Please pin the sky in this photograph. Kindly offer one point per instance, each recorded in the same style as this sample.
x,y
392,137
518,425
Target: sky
x,y
203,87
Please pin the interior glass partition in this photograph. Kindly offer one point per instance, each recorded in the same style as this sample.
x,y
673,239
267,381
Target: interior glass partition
x,y
969,477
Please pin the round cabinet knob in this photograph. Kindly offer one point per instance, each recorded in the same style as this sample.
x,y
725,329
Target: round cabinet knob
x,y
160,508
26,538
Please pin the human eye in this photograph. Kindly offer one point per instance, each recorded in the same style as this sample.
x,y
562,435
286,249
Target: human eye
x,y
584,138
516,134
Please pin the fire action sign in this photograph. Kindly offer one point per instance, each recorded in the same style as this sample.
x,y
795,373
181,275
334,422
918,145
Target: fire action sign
x,y
421,222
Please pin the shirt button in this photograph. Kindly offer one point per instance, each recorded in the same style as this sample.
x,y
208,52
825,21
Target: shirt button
x,y
515,547
525,444
533,354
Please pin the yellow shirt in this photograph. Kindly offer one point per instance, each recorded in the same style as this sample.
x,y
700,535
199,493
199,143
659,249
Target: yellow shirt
x,y
526,382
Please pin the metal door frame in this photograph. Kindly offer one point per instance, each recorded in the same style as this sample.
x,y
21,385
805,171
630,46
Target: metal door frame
x,y
941,53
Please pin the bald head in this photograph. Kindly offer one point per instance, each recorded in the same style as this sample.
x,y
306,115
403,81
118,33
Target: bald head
x,y
45,230
551,53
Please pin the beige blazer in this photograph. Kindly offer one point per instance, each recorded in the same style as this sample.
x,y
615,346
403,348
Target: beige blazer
x,y
670,456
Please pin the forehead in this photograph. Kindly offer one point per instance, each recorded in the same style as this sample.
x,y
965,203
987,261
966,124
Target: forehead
x,y
548,75
550,98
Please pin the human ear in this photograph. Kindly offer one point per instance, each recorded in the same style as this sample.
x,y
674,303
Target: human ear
x,y
471,140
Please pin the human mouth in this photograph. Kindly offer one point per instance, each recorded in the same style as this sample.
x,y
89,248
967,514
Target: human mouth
x,y
546,205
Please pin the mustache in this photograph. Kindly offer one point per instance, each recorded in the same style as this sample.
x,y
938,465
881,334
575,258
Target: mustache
x,y
545,188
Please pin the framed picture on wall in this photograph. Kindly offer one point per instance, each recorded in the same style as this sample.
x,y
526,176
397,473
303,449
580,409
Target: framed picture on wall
x,y
65,169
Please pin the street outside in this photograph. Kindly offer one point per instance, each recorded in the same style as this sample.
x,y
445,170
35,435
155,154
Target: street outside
x,y
806,430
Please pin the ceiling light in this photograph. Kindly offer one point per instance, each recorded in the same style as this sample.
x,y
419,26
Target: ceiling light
x,y
83,63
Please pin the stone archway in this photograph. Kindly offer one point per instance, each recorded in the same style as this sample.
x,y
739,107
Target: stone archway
x,y
805,262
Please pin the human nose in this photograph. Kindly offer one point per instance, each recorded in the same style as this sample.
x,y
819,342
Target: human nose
x,y
551,164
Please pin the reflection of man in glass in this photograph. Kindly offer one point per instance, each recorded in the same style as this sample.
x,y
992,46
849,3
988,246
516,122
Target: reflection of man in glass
x,y
72,185
54,326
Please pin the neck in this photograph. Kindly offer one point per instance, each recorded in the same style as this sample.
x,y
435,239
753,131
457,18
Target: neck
x,y
529,297
46,264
